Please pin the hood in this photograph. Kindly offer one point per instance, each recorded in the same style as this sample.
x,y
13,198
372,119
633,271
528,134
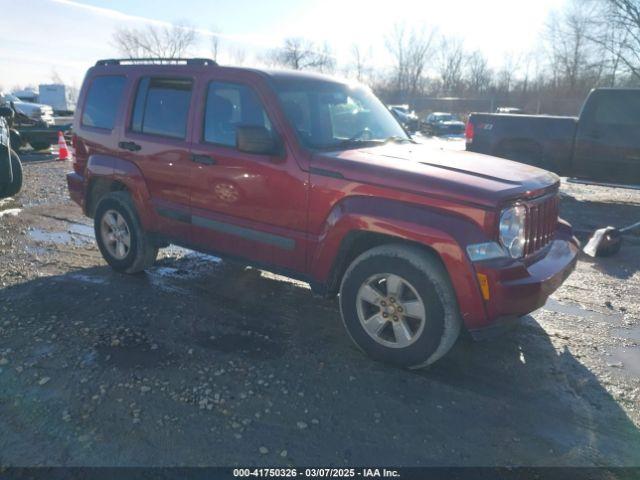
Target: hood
x,y
424,169
410,115
25,107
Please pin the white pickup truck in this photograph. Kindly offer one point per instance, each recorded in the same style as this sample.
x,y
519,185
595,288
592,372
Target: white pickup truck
x,y
34,111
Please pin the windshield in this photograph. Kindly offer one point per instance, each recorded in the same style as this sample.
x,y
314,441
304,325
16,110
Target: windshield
x,y
444,118
329,115
8,97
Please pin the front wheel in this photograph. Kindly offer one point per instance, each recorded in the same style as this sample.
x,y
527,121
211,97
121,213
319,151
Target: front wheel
x,y
399,307
122,241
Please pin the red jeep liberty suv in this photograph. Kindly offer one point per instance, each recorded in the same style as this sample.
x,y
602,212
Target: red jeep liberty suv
x,y
312,177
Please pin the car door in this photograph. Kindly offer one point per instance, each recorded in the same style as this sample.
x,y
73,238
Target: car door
x,y
243,204
607,145
156,140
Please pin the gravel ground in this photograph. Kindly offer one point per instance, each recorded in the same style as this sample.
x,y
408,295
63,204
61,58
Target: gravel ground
x,y
200,362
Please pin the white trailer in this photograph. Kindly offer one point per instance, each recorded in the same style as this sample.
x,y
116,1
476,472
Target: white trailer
x,y
58,96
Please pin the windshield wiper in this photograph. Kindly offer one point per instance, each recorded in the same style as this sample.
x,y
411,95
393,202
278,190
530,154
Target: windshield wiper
x,y
397,139
354,142
359,142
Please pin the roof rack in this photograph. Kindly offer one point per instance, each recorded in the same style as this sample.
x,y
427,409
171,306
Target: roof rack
x,y
156,61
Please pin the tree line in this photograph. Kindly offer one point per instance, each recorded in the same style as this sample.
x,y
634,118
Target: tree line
x,y
587,44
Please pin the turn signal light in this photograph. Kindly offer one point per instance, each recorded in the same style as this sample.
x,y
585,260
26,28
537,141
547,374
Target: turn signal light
x,y
484,285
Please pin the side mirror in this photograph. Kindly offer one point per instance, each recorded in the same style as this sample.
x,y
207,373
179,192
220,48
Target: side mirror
x,y
6,112
256,139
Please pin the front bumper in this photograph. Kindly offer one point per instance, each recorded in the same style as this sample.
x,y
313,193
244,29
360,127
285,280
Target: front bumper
x,y
518,287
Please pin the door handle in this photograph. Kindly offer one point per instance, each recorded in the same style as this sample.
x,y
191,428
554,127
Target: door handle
x,y
203,159
131,146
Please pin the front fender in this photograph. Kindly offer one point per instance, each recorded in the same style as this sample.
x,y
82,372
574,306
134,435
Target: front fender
x,y
115,169
445,233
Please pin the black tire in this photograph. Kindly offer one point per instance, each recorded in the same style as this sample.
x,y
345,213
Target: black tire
x,y
40,146
16,169
142,252
426,274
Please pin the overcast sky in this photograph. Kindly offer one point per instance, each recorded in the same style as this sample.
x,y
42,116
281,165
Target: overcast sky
x,y
39,37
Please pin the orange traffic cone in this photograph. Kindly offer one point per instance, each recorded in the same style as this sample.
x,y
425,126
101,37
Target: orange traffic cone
x,y
63,150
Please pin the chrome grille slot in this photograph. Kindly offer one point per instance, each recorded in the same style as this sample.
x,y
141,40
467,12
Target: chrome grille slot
x,y
542,219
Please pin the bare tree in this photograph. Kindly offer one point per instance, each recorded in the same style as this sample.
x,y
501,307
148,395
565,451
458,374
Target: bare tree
x,y
618,33
451,62
574,60
479,76
358,63
361,63
411,50
152,41
55,77
215,44
505,78
302,54
238,55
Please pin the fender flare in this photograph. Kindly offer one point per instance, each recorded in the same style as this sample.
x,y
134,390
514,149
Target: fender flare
x,y
441,232
114,169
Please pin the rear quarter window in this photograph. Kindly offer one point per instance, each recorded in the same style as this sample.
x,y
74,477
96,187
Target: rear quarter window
x,y
102,102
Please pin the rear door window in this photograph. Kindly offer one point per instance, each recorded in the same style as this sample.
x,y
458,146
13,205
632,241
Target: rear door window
x,y
103,99
228,106
162,107
618,108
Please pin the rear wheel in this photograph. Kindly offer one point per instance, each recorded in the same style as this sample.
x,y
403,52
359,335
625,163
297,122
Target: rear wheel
x,y
399,307
122,241
40,146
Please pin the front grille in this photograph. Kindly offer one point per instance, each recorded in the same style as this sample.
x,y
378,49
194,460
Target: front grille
x,y
541,223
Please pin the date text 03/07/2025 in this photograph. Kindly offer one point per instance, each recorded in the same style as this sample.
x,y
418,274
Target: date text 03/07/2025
x,y
316,472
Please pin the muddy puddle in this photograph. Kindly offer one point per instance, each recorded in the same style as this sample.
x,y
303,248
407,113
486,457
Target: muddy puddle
x,y
576,310
631,333
75,234
627,358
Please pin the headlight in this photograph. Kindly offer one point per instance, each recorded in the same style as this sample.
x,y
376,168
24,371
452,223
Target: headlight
x,y
512,225
485,251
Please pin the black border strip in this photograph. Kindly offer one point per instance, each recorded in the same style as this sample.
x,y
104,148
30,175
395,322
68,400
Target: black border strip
x,y
174,214
278,241
247,233
346,472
